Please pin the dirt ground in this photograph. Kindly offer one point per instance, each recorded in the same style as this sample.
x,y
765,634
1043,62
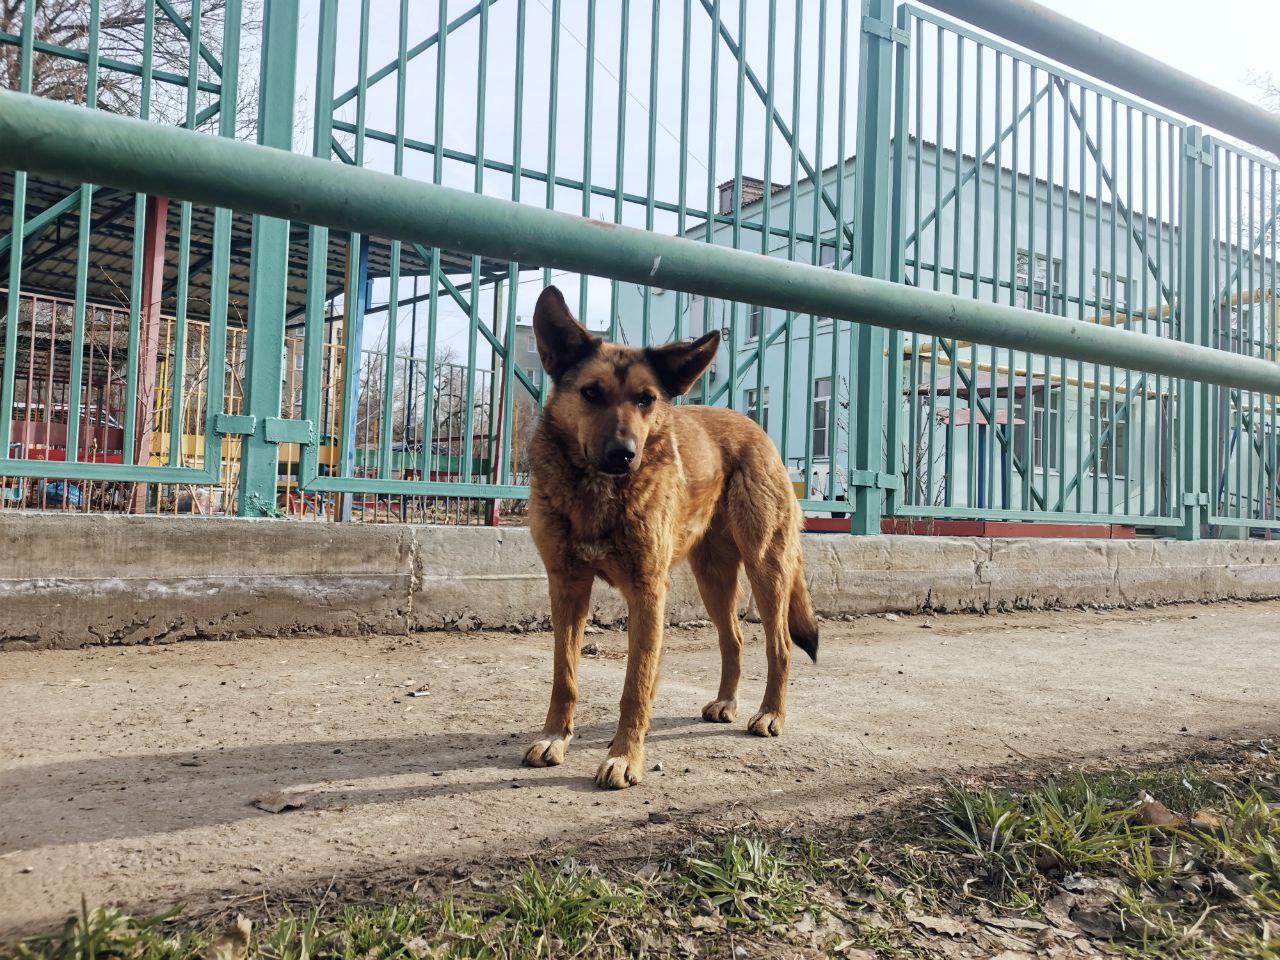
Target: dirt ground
x,y
127,774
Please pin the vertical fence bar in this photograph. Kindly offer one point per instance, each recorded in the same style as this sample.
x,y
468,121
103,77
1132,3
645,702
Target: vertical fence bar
x,y
897,265
220,274
646,303
713,104
588,113
871,213
682,146
82,254
313,364
386,426
735,234
789,318
473,317
426,457
1196,306
815,232
269,268
178,359
15,249
507,449
620,155
837,261
766,211
914,440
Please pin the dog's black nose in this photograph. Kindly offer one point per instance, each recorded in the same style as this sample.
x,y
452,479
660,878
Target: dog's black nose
x,y
618,455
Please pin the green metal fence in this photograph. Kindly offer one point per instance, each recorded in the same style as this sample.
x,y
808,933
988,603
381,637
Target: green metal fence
x,y
955,280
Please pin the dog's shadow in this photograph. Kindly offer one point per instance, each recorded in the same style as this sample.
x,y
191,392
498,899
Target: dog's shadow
x,y
103,798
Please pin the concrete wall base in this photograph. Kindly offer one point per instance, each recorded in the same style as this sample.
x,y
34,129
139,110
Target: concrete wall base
x,y
74,580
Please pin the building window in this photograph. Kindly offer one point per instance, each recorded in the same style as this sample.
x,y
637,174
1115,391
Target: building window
x,y
533,344
759,416
695,316
1110,293
821,415
1112,450
1042,296
1045,428
755,322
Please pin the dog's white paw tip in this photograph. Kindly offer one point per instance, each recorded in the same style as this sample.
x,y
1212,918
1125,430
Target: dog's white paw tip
x,y
618,773
720,711
766,724
548,752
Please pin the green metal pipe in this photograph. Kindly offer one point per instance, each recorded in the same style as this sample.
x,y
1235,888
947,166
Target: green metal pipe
x,y
1045,31
63,140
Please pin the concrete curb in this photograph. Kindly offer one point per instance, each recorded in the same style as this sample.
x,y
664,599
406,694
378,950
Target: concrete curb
x,y
74,580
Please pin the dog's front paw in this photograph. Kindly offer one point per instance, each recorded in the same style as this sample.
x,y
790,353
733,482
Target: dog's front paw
x,y
766,723
548,752
720,711
618,773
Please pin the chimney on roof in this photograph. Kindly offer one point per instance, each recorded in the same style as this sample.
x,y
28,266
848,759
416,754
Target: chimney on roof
x,y
752,190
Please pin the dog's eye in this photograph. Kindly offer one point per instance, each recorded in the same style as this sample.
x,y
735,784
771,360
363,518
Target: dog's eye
x,y
591,393
645,400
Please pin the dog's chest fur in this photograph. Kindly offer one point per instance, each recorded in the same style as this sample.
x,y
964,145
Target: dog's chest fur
x,y
614,525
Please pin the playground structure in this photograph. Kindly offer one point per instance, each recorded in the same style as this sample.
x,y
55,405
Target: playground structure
x,y
949,162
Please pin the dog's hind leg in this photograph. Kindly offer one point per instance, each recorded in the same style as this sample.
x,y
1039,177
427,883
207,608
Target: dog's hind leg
x,y
715,563
771,589
570,600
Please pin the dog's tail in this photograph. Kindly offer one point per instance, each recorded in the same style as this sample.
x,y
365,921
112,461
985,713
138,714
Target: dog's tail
x,y
801,622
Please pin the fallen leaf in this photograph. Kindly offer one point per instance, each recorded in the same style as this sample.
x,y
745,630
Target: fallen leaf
x,y
1058,910
950,928
279,802
1097,923
1153,813
704,923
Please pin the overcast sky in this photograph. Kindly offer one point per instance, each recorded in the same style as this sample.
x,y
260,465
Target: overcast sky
x,y
1222,44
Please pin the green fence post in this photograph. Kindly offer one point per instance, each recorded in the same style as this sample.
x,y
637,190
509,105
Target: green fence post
x,y
268,269
871,236
1195,309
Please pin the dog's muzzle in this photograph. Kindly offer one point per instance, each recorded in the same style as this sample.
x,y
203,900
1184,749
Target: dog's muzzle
x,y
618,456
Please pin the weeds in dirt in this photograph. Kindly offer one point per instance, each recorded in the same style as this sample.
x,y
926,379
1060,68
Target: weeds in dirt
x,y
1172,863
1190,875
106,932
561,907
746,880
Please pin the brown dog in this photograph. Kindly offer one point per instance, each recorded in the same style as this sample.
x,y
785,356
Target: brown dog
x,y
624,485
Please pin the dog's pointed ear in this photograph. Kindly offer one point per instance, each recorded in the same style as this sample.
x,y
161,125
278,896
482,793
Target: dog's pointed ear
x,y
563,342
679,365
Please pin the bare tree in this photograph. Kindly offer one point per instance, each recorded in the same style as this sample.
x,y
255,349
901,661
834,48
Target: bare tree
x,y
121,36
1268,87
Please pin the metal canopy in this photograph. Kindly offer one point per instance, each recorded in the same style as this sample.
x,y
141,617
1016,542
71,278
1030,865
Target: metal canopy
x,y
49,254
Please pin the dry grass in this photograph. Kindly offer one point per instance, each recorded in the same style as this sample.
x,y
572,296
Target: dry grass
x,y
1182,861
